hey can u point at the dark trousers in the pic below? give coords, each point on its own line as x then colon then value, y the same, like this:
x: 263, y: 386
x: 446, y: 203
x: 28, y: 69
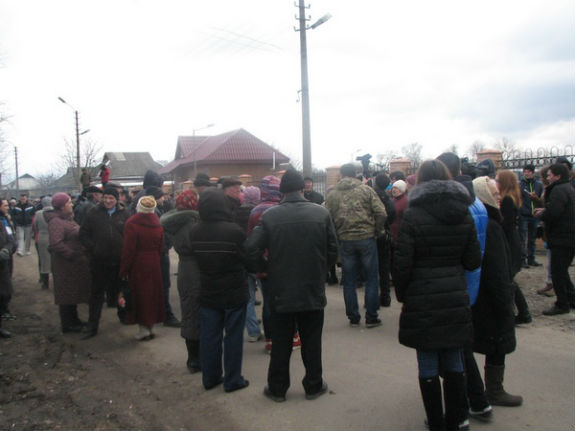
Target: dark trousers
x: 105, y: 280
x: 384, y: 258
x: 561, y: 258
x: 69, y: 316
x: 474, y: 384
x: 213, y: 323
x: 310, y: 326
x: 527, y: 234
x: 266, y: 312
x: 165, y: 267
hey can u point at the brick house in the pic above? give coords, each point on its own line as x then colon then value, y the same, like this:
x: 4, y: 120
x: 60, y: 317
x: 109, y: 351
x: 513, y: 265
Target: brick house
x: 235, y: 153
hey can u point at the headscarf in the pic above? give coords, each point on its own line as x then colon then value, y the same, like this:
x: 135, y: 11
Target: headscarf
x: 252, y: 195
x: 146, y: 204
x: 187, y: 200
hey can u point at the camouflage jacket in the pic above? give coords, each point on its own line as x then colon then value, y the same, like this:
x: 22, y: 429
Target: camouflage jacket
x: 356, y: 210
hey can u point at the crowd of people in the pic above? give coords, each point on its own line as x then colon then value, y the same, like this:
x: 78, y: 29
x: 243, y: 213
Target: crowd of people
x: 450, y: 242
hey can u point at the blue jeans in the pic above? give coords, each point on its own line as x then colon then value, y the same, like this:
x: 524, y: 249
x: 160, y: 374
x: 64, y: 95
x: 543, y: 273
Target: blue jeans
x: 430, y: 362
x: 527, y: 234
x: 357, y: 256
x: 252, y: 324
x: 213, y: 323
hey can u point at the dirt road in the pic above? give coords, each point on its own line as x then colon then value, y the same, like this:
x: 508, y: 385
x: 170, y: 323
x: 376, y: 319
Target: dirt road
x: 50, y: 381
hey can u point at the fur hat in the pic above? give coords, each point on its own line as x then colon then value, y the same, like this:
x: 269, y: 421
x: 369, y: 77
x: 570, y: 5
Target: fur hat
x: 400, y: 185
x: 146, y: 204
x: 187, y: 200
x: 112, y: 191
x: 292, y: 181
x: 483, y: 192
x: 60, y: 199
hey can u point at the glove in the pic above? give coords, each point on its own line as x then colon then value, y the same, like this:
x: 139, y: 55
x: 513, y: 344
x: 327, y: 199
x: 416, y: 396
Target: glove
x: 4, y: 254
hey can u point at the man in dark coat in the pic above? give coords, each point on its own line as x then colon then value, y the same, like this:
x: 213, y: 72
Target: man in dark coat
x: 7, y: 248
x: 310, y: 194
x: 93, y: 197
x: 232, y: 189
x: 531, y: 190
x: 102, y: 234
x: 559, y: 218
x: 296, y: 234
x: 22, y: 215
x: 217, y: 245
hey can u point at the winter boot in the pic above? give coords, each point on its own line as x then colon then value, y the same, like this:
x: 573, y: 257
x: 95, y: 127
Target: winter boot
x: 193, y: 362
x: 494, y: 387
x: 144, y: 333
x: 455, y: 401
x: 523, y: 314
x: 45, y: 280
x: 431, y: 394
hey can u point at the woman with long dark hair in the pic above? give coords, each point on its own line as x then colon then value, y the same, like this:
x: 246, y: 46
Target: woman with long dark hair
x: 437, y: 242
x: 510, y: 204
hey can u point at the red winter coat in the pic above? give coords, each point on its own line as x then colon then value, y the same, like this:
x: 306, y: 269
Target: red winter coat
x: 143, y: 245
x: 105, y: 175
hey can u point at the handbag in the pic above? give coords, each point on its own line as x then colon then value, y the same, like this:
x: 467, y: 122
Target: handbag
x: 124, y: 300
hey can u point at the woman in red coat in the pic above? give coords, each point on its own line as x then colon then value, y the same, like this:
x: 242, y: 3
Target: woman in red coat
x: 143, y: 245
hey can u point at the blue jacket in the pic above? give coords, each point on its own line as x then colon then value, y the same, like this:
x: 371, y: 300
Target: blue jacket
x: 480, y: 218
x: 528, y: 186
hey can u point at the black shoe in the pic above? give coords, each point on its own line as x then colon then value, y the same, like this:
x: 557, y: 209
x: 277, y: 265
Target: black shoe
x: 5, y: 334
x: 555, y: 310
x: 332, y: 281
x: 317, y: 394
x: 217, y: 383
x: 524, y: 264
x: 385, y: 300
x: 273, y: 397
x: 72, y: 328
x: 89, y: 332
x: 172, y: 322
x: 373, y: 323
x: 354, y: 323
x: 237, y: 388
x: 193, y: 367
x: 533, y: 262
x: 523, y: 318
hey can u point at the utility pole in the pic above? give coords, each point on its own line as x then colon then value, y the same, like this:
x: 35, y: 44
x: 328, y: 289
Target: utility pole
x: 306, y: 132
x: 77, y: 150
x: 16, y: 162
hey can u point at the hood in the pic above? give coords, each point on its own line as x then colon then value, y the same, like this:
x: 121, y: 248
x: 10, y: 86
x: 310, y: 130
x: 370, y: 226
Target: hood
x: 52, y: 214
x: 152, y: 178
x: 348, y: 183
x: 174, y: 220
x: 270, y: 189
x: 214, y: 206
x: 447, y: 201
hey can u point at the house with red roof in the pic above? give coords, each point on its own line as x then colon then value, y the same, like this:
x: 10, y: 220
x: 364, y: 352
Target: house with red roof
x: 234, y: 153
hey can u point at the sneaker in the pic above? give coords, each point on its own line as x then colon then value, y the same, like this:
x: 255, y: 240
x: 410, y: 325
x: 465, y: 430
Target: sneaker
x: 296, y: 342
x: 268, y: 346
x: 255, y: 338
x: 463, y: 426
x: 482, y: 415
x: 373, y: 323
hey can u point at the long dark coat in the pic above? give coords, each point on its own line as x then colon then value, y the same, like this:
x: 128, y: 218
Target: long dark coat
x: 437, y: 243
x: 493, y: 319
x: 178, y: 224
x: 143, y: 246
x: 70, y: 266
x: 8, y: 241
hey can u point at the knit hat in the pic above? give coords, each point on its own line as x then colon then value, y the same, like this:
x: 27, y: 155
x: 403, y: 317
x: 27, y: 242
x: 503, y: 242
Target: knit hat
x: 146, y: 204
x: 400, y: 185
x: 270, y: 188
x: 252, y: 195
x: 187, y: 200
x: 292, y: 181
x: 154, y: 191
x: 411, y: 179
x: 112, y: 191
x: 202, y: 180
x: 59, y: 200
x: 483, y: 192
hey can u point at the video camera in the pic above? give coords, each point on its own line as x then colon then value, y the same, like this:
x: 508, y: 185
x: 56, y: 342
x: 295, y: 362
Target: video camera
x: 474, y: 170
x: 364, y: 163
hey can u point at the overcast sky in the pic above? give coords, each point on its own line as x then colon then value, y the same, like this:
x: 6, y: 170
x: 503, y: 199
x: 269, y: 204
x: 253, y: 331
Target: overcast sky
x: 382, y: 74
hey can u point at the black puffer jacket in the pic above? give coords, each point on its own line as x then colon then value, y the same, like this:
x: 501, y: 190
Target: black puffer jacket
x: 559, y: 214
x: 217, y: 244
x: 301, y: 243
x: 493, y: 319
x: 437, y: 242
x: 103, y: 235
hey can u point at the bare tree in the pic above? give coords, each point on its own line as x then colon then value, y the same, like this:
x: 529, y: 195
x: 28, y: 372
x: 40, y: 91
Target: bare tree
x: 508, y: 148
x: 89, y: 154
x: 47, y: 181
x: 382, y: 160
x: 413, y: 153
x: 452, y: 149
x: 474, y: 148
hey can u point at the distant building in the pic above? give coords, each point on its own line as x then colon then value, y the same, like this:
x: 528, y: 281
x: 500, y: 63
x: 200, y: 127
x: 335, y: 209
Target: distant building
x: 235, y: 153
x: 26, y: 184
x: 127, y: 169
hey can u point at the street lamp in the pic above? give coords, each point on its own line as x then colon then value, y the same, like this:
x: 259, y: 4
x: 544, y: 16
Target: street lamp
x: 77, y: 138
x: 306, y: 134
x: 207, y: 126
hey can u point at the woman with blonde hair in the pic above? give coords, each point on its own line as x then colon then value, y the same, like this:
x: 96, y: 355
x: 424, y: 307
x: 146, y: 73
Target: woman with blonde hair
x: 510, y: 195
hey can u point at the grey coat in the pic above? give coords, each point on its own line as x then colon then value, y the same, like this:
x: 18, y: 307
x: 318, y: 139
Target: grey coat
x: 40, y: 226
x: 70, y: 266
x: 177, y: 224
